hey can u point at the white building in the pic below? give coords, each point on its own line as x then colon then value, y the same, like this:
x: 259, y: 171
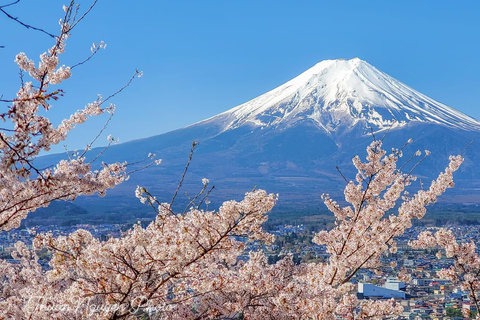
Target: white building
x: 421, y: 282
x: 395, y: 284
x: 392, y: 289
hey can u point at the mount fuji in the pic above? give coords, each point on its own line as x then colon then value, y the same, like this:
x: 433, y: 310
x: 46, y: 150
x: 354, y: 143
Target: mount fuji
x: 336, y: 95
x: 291, y: 139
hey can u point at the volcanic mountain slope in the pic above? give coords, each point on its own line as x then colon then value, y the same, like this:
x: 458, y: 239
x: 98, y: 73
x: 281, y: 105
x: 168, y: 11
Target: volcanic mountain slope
x: 290, y: 140
x: 336, y: 95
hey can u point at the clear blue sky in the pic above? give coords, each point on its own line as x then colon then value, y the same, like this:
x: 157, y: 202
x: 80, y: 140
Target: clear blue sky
x: 200, y: 58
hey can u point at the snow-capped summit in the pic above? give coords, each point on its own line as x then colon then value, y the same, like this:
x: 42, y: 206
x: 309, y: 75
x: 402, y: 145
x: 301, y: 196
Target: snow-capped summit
x: 340, y: 93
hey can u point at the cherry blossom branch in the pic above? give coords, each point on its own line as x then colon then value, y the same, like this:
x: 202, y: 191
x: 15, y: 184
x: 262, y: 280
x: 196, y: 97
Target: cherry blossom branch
x: 21, y: 158
x: 473, y: 294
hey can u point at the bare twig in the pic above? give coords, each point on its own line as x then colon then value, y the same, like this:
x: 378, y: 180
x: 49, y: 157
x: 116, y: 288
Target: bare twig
x: 9, y: 130
x: 406, y: 144
x: 418, y: 163
x: 142, y: 168
x: 468, y: 145
x: 388, y: 130
x: 22, y: 23
x: 406, y: 162
x: 192, y: 201
x: 89, y: 146
x: 20, y: 73
x: 100, y: 153
x: 135, y: 74
x: 75, y: 21
x: 206, y: 196
x: 338, y: 169
x: 373, y: 134
x: 95, y: 50
x: 10, y: 4
x: 194, y: 144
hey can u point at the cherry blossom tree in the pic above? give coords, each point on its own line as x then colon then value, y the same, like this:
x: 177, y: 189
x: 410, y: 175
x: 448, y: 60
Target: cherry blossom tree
x: 187, y: 266
x: 192, y: 264
x: 27, y: 132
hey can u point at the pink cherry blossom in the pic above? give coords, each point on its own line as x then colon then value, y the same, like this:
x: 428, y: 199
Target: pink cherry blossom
x: 194, y: 265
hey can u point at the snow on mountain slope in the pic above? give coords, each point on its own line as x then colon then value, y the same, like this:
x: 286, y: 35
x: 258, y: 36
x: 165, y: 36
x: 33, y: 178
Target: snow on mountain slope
x: 340, y: 93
